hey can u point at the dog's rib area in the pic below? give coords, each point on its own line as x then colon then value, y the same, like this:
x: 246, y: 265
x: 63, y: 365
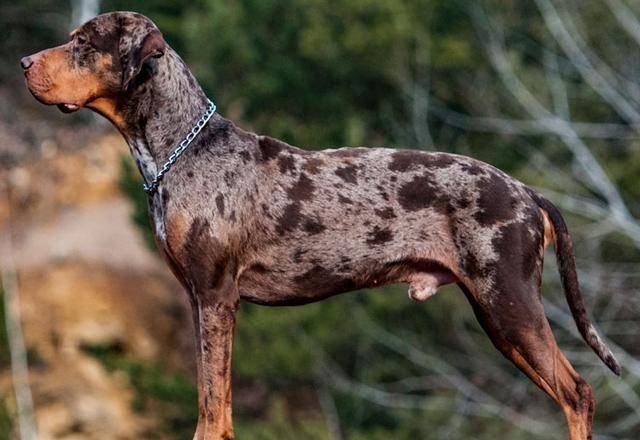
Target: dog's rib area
x: 259, y: 284
x: 338, y: 220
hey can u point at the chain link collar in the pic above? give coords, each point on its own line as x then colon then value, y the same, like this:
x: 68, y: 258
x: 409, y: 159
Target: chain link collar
x: 153, y: 186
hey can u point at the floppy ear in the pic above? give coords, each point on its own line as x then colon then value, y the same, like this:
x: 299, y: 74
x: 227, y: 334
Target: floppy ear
x: 135, y: 56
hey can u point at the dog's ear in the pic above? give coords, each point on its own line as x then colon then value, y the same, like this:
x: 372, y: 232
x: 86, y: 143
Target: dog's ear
x: 136, y: 52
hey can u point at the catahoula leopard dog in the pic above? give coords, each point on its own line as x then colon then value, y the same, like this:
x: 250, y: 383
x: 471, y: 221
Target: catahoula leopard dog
x: 243, y: 216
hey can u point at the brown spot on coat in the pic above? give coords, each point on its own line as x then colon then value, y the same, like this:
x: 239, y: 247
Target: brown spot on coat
x: 471, y: 168
x: 405, y: 160
x: 472, y: 266
x: 386, y: 213
x: 286, y: 164
x: 348, y: 173
x: 257, y: 267
x: 383, y: 193
x: 298, y: 254
x: 348, y: 152
x: 313, y: 165
x: 290, y: 219
x: 517, y: 248
x: 270, y: 148
x: 220, y: 203
x: 245, y: 156
x: 302, y: 190
x: 313, y: 226
x: 379, y: 236
x: 344, y: 200
x: 202, y: 257
x: 418, y: 194
x: 166, y: 196
x: 496, y: 201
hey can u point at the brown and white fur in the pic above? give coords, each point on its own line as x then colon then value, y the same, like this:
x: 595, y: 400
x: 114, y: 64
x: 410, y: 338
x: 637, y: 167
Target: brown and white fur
x: 243, y: 216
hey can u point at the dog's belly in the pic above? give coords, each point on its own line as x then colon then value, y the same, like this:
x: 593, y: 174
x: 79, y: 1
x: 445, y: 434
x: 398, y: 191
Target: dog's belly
x: 300, y: 275
x: 267, y: 287
x: 272, y: 289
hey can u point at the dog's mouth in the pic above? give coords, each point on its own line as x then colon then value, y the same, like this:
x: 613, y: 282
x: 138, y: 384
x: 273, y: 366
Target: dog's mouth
x: 68, y: 108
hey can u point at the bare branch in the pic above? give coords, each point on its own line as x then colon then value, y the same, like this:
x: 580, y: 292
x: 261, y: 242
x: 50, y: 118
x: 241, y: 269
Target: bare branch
x: 473, y: 405
x: 528, y: 127
x: 601, y: 80
x: 589, y: 166
x: 631, y: 364
x: 626, y: 18
x: 330, y: 412
x: 437, y: 364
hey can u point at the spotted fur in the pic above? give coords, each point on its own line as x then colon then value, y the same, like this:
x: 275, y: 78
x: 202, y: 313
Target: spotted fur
x: 243, y: 216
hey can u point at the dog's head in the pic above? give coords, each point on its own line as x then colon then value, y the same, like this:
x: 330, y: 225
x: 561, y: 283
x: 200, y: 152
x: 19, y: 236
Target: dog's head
x: 105, y: 59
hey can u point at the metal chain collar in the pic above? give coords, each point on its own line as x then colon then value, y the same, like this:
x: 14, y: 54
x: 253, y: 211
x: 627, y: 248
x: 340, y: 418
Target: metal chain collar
x: 153, y: 186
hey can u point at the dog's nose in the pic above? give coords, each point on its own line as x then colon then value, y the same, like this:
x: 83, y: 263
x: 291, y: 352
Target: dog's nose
x: 26, y: 62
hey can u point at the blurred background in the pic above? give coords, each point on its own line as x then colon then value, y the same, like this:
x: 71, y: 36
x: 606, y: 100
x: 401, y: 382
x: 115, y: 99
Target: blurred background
x: 95, y: 334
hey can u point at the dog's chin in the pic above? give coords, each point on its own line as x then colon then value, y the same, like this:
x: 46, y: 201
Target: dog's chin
x: 68, y: 108
x: 63, y: 107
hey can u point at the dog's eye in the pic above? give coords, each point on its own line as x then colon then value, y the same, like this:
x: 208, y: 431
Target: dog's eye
x: 81, y: 39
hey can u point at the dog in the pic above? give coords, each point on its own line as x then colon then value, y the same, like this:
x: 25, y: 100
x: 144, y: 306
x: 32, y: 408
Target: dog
x: 242, y: 216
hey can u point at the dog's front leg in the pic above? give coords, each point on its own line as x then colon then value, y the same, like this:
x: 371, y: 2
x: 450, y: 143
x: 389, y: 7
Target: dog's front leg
x: 216, y: 321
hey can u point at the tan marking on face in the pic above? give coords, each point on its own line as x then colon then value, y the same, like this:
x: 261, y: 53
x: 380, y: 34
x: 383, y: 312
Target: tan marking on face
x: 55, y: 80
x: 107, y: 108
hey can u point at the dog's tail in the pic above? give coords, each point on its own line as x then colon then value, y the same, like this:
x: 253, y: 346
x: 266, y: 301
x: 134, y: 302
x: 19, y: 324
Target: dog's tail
x: 567, y: 267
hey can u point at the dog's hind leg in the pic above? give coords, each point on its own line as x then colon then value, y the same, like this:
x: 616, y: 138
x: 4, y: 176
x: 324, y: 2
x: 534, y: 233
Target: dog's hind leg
x: 515, y: 321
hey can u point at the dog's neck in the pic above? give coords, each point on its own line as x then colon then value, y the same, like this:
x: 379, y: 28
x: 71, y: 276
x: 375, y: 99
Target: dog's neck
x: 161, y: 111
